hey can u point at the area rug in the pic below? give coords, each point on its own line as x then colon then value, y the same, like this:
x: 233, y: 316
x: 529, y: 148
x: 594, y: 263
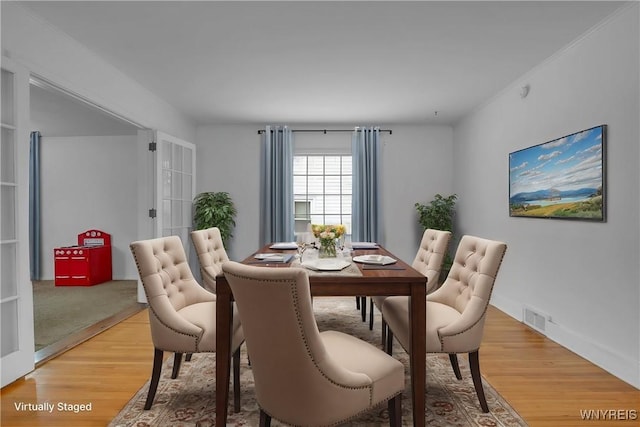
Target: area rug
x: 189, y: 400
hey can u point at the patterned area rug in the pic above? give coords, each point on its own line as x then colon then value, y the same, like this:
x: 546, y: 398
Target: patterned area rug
x: 189, y: 400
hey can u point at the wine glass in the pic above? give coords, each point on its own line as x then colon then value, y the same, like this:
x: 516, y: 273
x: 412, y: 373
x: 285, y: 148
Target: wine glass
x: 301, y: 241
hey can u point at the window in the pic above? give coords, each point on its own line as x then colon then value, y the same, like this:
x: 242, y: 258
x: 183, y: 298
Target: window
x: 322, y: 190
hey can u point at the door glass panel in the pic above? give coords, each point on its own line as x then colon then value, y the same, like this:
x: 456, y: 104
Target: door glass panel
x: 7, y: 98
x: 8, y: 228
x: 166, y: 183
x: 166, y: 155
x: 186, y: 187
x: 7, y: 156
x: 176, y: 213
x: 187, y: 160
x: 9, y: 314
x: 8, y: 277
x: 176, y: 185
x: 176, y: 160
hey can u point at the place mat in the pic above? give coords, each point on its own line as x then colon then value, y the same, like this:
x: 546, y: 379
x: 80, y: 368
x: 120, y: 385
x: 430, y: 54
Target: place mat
x: 351, y: 270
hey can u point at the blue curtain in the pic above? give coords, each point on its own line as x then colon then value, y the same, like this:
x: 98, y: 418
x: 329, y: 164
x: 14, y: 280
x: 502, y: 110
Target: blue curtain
x: 366, y: 212
x: 276, y: 185
x: 34, y: 206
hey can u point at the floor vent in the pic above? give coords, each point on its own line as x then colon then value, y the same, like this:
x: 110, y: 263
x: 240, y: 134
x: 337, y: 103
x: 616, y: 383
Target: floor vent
x: 535, y: 319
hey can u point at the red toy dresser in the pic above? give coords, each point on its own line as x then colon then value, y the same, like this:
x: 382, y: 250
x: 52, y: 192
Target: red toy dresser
x: 86, y: 264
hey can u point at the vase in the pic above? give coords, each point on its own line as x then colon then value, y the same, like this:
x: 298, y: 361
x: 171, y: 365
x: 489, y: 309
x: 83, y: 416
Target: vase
x: 327, y: 249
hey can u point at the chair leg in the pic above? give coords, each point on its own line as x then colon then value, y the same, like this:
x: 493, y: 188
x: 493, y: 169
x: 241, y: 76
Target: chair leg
x: 454, y: 364
x: 177, y: 360
x: 371, y: 314
x: 395, y: 411
x: 385, y: 327
x: 265, y: 420
x: 474, y: 365
x: 357, y: 303
x: 363, y: 308
x: 155, y: 378
x: 236, y: 381
x: 188, y: 357
x: 389, y: 345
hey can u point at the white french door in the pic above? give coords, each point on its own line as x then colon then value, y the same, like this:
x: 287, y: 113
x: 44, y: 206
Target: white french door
x: 16, y: 300
x: 175, y: 186
x: 170, y: 181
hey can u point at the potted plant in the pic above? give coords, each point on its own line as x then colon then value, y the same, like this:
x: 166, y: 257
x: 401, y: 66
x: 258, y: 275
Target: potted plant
x: 215, y: 210
x: 438, y: 215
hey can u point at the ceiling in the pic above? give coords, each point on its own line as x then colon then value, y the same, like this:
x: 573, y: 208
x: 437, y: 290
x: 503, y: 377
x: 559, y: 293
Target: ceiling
x: 350, y: 62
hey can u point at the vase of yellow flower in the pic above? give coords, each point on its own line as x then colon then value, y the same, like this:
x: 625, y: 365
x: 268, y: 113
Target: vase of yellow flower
x: 328, y: 236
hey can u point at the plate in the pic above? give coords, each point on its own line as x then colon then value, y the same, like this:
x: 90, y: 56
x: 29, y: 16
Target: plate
x: 326, y: 264
x: 284, y: 245
x: 374, y: 259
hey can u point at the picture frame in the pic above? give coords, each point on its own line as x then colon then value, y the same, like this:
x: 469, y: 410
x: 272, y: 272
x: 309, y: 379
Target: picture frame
x: 561, y: 179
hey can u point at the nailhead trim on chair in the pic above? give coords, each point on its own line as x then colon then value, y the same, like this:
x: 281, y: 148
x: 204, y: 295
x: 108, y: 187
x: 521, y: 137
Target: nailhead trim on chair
x: 294, y: 294
x: 195, y: 337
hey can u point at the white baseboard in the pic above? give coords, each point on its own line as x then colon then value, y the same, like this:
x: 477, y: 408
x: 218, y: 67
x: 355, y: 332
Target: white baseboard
x: 624, y: 368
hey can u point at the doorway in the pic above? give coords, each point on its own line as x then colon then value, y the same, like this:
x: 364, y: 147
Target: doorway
x: 88, y: 174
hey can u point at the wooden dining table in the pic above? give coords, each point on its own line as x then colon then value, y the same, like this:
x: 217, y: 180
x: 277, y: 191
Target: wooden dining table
x: 399, y: 279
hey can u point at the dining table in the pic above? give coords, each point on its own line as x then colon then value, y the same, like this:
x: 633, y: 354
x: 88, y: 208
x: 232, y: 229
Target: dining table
x: 398, y: 278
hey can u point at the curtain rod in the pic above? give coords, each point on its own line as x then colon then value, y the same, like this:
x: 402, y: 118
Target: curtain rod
x: 325, y: 131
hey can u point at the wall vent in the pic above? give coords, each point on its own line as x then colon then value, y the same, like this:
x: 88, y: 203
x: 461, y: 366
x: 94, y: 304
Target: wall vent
x: 535, y: 319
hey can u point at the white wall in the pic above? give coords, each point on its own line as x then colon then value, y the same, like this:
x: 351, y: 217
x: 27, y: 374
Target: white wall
x: 417, y: 164
x: 89, y: 189
x: 583, y: 275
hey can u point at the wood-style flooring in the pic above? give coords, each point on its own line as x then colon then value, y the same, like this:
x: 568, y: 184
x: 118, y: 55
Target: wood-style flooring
x: 547, y: 384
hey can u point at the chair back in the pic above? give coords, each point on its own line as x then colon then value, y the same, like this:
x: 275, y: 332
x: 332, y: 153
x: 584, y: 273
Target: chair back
x: 211, y: 255
x: 469, y: 284
x: 295, y: 378
x: 431, y: 254
x: 169, y: 286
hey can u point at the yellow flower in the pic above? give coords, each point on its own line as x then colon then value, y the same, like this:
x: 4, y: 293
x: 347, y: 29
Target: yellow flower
x: 328, y: 231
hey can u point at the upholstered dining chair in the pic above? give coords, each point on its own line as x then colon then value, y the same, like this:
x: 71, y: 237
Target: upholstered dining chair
x: 456, y: 311
x: 211, y: 255
x: 428, y: 261
x: 182, y: 314
x: 304, y: 377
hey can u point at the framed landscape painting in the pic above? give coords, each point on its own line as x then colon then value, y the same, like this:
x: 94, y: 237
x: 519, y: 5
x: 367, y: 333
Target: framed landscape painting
x: 563, y: 178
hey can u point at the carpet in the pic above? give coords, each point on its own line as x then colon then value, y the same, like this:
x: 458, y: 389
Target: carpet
x: 60, y: 311
x: 189, y: 400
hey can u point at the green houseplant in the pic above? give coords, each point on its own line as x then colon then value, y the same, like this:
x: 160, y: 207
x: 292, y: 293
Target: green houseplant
x: 438, y: 214
x: 215, y: 210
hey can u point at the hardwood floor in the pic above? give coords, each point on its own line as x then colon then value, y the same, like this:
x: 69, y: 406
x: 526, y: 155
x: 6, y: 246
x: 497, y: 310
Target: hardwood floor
x: 547, y: 384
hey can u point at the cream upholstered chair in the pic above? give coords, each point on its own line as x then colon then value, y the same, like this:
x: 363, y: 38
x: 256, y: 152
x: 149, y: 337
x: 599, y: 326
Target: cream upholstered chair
x: 211, y: 255
x: 456, y: 311
x: 304, y: 377
x: 182, y: 314
x: 428, y: 261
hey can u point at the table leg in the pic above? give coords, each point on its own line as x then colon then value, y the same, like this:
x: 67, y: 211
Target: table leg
x: 417, y: 313
x: 224, y: 315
